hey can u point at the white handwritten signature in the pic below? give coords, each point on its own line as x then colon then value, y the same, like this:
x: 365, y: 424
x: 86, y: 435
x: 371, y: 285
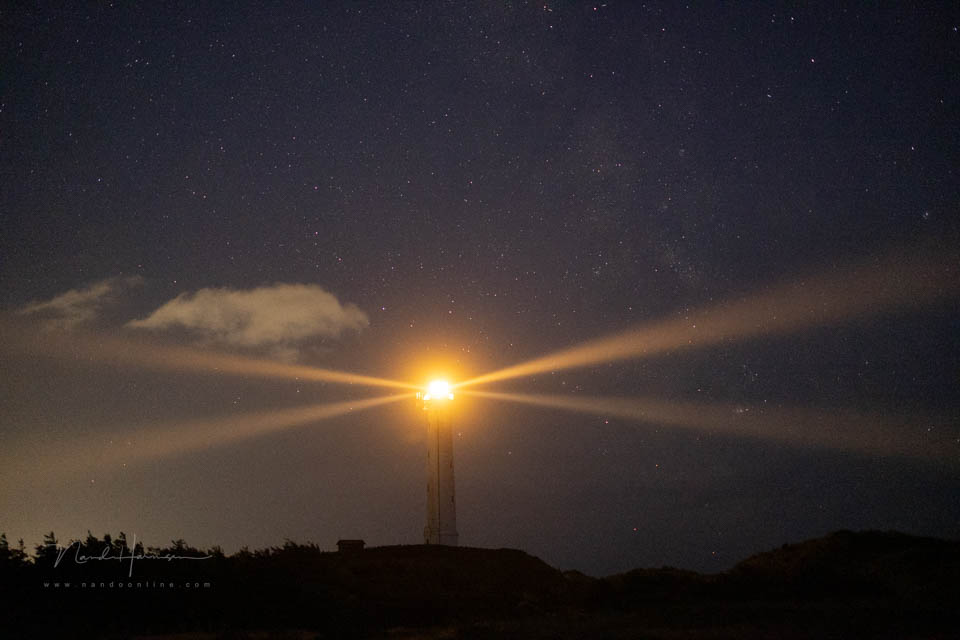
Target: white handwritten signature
x: 107, y: 554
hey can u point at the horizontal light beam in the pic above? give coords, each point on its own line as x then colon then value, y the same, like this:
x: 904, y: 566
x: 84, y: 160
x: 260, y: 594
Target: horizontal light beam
x: 910, y: 436
x: 119, y: 352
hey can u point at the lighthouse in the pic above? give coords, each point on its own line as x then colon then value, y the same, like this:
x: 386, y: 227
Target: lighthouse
x: 441, y: 527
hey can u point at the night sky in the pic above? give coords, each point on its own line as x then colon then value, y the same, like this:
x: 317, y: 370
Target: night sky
x: 403, y: 189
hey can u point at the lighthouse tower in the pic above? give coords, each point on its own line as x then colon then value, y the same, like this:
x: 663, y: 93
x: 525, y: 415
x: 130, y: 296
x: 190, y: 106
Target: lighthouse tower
x: 441, y: 525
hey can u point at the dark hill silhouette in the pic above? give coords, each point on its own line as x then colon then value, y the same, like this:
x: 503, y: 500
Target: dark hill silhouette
x: 868, y: 584
x: 921, y: 571
x: 436, y: 582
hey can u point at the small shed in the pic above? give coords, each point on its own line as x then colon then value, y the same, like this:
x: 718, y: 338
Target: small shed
x: 350, y: 546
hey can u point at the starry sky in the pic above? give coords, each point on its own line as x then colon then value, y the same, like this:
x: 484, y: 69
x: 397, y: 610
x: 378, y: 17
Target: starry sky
x: 399, y: 189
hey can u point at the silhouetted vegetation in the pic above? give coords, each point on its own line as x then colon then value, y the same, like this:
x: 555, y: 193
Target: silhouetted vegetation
x: 847, y: 584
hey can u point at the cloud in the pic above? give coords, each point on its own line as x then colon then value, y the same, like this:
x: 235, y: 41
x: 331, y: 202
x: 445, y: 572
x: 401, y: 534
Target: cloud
x: 277, y: 318
x: 79, y: 306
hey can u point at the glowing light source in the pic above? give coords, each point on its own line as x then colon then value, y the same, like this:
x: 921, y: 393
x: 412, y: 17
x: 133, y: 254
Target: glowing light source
x: 437, y: 390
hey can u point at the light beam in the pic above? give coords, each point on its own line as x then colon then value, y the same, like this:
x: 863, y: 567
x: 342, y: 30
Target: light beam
x: 920, y: 437
x: 119, y: 352
x: 114, y: 449
x: 898, y: 282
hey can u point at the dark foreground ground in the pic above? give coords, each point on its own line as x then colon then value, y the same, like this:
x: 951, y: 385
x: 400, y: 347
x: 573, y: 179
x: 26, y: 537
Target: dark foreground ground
x: 846, y: 585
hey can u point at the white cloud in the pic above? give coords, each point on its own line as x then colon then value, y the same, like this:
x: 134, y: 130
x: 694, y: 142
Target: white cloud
x: 79, y: 306
x: 276, y: 317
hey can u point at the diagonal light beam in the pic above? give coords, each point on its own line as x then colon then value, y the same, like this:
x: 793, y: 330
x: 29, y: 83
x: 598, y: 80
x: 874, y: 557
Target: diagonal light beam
x: 911, y: 436
x: 867, y: 289
x: 113, y: 450
x: 207, y: 434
